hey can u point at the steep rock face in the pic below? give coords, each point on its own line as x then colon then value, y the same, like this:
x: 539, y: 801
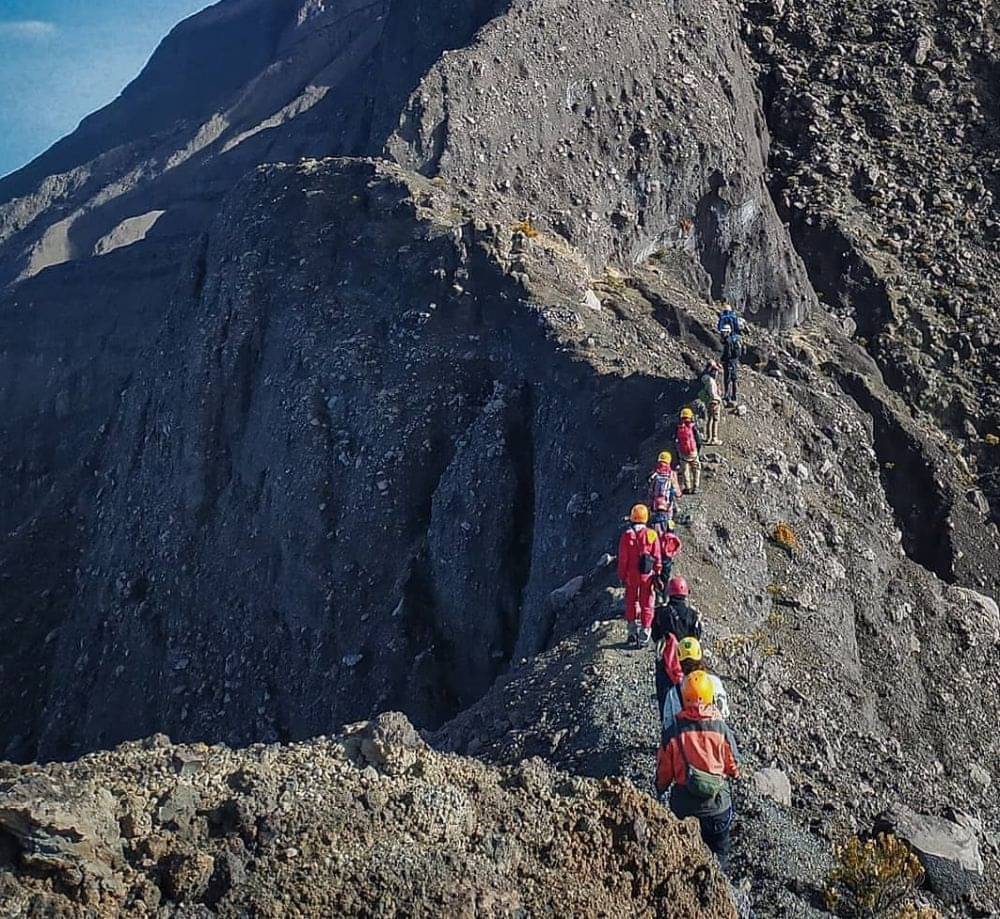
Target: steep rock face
x: 638, y: 131
x: 105, y: 224
x: 345, y: 459
x: 885, y: 166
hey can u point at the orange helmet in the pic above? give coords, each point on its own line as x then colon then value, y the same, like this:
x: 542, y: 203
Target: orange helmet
x: 640, y: 514
x: 697, y: 689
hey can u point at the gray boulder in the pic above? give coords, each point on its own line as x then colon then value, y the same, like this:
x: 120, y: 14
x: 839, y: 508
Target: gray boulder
x: 773, y: 784
x: 948, y: 852
x: 64, y: 828
x: 391, y: 744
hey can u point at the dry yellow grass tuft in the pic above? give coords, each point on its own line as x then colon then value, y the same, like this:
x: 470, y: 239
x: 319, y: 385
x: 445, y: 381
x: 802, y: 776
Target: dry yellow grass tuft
x: 785, y: 537
x: 874, y: 879
x: 526, y: 228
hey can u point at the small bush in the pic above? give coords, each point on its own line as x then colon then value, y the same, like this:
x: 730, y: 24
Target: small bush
x: 526, y: 228
x: 912, y: 911
x: 785, y: 537
x: 874, y: 879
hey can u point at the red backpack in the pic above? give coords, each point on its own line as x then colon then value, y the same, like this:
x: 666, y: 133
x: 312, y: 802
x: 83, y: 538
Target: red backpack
x: 686, y: 439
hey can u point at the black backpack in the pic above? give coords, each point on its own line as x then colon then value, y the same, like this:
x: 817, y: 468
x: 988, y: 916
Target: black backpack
x: 680, y: 619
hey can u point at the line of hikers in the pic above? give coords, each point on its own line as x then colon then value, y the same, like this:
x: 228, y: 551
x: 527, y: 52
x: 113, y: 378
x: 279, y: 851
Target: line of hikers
x: 697, y: 753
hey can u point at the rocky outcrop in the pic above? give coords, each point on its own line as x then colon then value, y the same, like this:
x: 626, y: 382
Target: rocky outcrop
x: 948, y: 852
x: 368, y: 821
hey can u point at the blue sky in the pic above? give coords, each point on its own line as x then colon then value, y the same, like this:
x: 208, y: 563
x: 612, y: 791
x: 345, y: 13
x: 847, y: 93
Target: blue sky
x: 62, y: 59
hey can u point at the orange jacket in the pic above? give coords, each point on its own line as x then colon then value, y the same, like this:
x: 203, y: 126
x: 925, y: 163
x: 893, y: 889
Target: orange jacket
x: 708, y: 745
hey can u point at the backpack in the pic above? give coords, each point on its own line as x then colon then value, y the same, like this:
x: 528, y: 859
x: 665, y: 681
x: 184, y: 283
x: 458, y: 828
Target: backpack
x: 647, y: 561
x: 661, y: 486
x: 708, y: 393
x: 686, y: 439
x: 729, y: 317
x: 683, y: 621
x: 698, y: 782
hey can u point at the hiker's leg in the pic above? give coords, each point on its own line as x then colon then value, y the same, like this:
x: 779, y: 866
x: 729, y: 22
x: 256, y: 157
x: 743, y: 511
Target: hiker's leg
x: 715, y: 834
x: 646, y: 604
x: 696, y: 466
x: 631, y: 602
x: 713, y: 422
x: 663, y: 685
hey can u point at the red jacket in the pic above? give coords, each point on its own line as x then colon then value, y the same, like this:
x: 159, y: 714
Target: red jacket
x: 638, y: 540
x: 708, y: 745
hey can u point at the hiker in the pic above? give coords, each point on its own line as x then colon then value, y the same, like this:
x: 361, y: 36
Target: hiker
x: 696, y: 756
x: 639, y: 564
x: 732, y: 350
x: 711, y: 396
x: 688, y: 444
x: 663, y: 482
x: 667, y: 670
x: 691, y: 658
x: 728, y: 317
x: 677, y: 616
x: 673, y: 621
x: 670, y: 546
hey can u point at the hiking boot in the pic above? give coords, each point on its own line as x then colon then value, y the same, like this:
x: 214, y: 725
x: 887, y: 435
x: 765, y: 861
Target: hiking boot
x: 631, y: 628
x: 642, y: 638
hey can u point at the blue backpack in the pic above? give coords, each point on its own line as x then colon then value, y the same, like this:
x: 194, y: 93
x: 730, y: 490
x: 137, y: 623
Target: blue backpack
x: 729, y: 318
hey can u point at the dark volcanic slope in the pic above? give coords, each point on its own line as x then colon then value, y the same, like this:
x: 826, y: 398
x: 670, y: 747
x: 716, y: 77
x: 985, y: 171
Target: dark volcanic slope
x: 885, y: 118
x: 166, y: 506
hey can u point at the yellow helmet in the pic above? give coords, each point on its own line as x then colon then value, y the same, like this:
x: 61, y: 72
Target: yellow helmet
x: 665, y: 457
x: 697, y: 689
x: 687, y: 414
x: 640, y: 514
x: 689, y: 649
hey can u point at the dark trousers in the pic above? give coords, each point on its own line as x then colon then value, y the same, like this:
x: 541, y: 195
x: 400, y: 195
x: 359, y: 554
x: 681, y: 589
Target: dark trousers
x: 715, y: 834
x: 663, y: 686
x: 730, y: 372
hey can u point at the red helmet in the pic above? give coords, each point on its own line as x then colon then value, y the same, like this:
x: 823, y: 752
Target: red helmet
x: 677, y: 587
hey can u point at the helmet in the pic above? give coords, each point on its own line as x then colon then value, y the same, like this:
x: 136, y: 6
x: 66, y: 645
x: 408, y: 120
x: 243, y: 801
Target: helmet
x: 687, y: 414
x: 640, y: 514
x: 671, y: 544
x: 689, y: 649
x: 697, y: 688
x: 660, y: 503
x: 677, y: 587
x: 665, y: 457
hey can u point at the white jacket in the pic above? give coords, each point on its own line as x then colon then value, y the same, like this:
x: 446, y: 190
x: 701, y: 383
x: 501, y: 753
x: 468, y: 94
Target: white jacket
x: 672, y: 704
